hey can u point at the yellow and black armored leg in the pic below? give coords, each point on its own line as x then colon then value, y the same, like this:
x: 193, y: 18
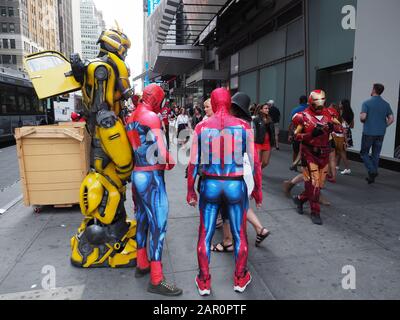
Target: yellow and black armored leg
x: 105, y: 238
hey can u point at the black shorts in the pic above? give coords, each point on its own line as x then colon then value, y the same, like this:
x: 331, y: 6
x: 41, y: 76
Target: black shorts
x: 332, y: 145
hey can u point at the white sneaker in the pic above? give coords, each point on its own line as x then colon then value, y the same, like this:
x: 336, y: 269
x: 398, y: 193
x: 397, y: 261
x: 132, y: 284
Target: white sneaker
x: 346, y: 172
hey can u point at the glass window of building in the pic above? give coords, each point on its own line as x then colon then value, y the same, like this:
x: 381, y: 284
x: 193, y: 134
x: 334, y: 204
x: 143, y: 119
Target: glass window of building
x: 5, y: 43
x: 12, y: 43
x: 8, y: 99
x: 6, y: 59
x: 21, y: 103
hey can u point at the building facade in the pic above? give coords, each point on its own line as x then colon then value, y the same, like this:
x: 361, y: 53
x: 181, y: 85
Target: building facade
x: 65, y: 26
x: 282, y: 49
x: 92, y: 24
x: 11, y: 28
x: 76, y: 26
x: 29, y: 26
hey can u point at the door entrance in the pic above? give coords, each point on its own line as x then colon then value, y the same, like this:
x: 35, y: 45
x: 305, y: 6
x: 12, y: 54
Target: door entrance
x: 336, y: 82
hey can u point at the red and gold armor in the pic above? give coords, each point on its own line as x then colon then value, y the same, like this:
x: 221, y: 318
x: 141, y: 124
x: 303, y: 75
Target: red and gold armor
x: 313, y: 129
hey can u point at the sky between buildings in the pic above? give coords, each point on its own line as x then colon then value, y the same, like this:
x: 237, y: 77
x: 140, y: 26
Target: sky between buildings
x: 129, y: 15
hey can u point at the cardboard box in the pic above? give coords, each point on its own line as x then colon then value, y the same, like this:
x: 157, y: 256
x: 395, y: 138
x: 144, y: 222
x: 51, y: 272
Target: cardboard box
x: 53, y: 162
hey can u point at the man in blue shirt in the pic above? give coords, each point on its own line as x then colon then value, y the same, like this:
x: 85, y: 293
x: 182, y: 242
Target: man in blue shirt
x: 300, y: 108
x: 289, y: 185
x: 376, y: 115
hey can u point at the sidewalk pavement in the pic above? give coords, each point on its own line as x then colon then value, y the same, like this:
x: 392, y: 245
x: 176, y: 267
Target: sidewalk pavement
x: 298, y: 261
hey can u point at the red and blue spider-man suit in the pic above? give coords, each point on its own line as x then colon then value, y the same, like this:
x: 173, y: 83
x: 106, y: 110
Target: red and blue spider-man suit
x: 313, y: 128
x: 148, y: 185
x: 219, y: 145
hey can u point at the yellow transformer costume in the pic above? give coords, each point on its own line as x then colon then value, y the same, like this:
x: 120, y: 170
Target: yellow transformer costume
x: 105, y: 238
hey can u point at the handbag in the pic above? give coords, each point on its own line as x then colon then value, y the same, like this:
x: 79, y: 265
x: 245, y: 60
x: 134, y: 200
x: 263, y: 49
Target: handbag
x: 271, y: 132
x: 350, y: 142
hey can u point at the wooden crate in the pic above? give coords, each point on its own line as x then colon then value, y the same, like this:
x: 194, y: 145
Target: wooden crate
x: 53, y: 162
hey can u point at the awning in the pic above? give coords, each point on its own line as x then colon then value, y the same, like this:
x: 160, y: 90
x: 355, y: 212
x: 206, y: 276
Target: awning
x: 183, y: 91
x: 206, y: 74
x: 187, y: 21
x: 152, y: 75
x: 177, y: 60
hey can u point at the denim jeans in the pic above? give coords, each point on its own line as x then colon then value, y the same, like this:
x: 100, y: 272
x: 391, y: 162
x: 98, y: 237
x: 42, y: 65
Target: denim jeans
x: 371, y: 162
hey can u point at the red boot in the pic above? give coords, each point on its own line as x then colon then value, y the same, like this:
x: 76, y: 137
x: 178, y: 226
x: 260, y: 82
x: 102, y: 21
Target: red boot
x: 143, y: 264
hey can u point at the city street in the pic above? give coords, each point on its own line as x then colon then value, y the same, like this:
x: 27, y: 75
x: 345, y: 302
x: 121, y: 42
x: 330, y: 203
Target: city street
x: 298, y: 261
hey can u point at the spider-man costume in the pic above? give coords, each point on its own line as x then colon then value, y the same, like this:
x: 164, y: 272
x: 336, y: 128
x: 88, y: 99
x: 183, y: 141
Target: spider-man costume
x: 219, y: 145
x: 313, y: 129
x: 148, y: 185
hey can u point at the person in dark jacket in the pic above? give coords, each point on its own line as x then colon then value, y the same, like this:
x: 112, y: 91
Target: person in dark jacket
x: 197, y: 117
x: 264, y: 131
x: 275, y: 115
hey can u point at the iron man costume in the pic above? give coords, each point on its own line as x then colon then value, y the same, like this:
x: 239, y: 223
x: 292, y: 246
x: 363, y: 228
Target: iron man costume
x: 313, y: 129
x: 215, y: 144
x: 148, y: 187
x: 105, y: 238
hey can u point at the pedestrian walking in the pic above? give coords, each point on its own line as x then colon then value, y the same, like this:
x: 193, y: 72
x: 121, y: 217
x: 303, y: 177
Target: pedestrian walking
x: 197, y: 117
x: 296, y: 144
x: 165, y: 115
x: 276, y: 119
x: 346, y: 117
x: 377, y: 116
x: 182, y: 124
x: 264, y: 134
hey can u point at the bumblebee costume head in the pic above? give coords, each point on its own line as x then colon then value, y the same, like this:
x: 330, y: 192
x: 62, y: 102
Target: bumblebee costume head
x: 114, y: 41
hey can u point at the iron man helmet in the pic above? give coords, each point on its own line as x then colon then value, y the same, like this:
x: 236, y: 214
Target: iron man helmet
x: 317, y: 99
x: 116, y: 42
